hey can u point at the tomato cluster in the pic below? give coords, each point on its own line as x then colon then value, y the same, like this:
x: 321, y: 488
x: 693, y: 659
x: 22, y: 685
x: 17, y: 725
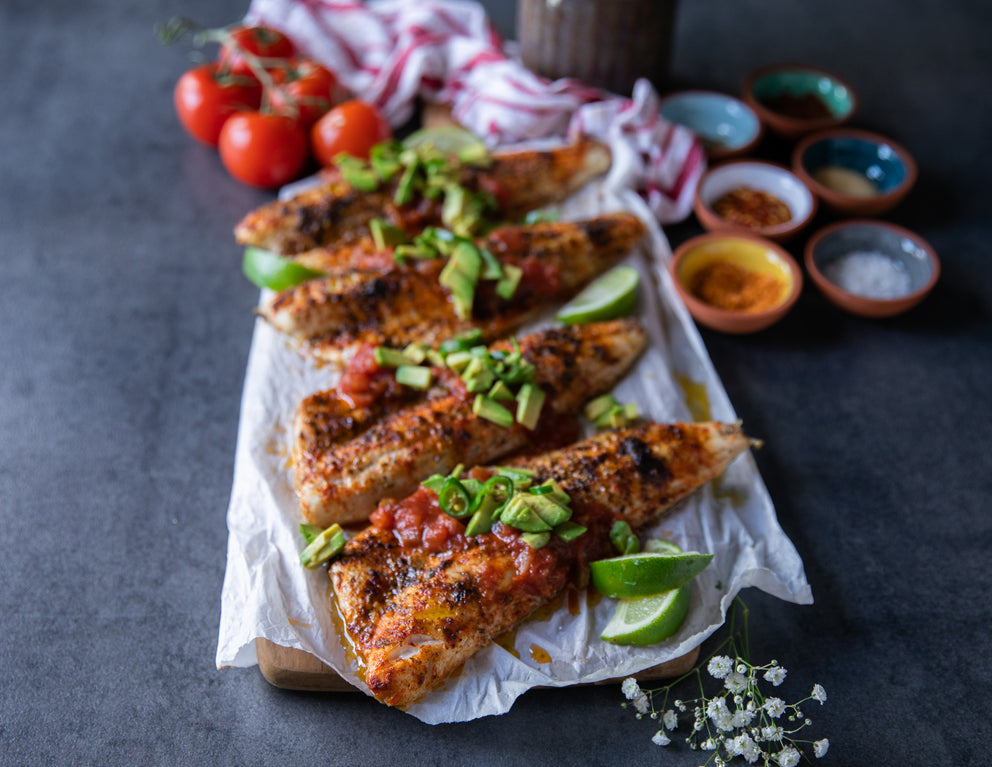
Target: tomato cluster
x: 268, y: 110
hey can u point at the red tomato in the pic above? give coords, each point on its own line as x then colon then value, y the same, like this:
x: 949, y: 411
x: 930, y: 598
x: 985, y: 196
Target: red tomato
x: 353, y: 127
x: 205, y: 99
x: 263, y: 42
x: 262, y: 149
x: 304, y: 89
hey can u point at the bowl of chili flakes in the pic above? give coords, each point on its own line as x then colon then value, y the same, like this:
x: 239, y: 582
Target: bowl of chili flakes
x: 754, y: 197
x: 735, y: 282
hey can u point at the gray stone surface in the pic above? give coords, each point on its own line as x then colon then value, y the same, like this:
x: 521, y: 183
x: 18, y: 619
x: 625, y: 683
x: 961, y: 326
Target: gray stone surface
x: 124, y: 330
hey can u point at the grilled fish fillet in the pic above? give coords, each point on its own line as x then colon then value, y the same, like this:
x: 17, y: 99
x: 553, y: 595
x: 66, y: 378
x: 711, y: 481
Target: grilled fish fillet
x: 337, y: 213
x: 337, y: 313
x: 345, y: 461
x: 418, y: 598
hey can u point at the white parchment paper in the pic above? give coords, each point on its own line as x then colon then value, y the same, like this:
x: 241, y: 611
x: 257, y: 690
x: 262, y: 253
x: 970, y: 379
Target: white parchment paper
x: 267, y: 593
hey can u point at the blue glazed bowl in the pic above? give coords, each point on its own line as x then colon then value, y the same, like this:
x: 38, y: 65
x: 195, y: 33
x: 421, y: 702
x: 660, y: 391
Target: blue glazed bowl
x: 727, y: 126
x: 796, y: 99
x: 855, y: 172
x: 910, y: 267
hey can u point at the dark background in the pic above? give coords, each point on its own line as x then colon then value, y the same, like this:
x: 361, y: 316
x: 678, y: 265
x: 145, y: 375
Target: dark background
x: 124, y: 331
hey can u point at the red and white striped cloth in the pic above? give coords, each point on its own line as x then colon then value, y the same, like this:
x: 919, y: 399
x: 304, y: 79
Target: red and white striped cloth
x: 391, y: 52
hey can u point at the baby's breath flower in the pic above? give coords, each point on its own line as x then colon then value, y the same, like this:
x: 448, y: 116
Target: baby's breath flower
x: 661, y: 739
x: 774, y: 707
x: 742, y: 718
x: 741, y: 668
x: 680, y: 705
x: 670, y: 720
x: 772, y: 733
x: 720, y: 666
x: 708, y: 745
x: 819, y: 694
x: 820, y: 748
x: 630, y: 688
x: 787, y: 757
x: 641, y: 704
x: 775, y: 675
x: 735, y: 682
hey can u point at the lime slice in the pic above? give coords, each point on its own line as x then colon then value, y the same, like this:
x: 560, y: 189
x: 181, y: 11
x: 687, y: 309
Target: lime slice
x: 447, y: 139
x: 648, y: 620
x: 608, y: 297
x: 646, y: 573
x: 270, y: 270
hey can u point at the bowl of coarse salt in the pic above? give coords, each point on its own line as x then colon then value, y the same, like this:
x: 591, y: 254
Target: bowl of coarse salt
x: 871, y: 268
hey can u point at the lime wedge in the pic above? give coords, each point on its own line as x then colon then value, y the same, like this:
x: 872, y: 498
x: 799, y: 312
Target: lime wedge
x: 648, y: 620
x: 447, y: 139
x: 270, y: 270
x: 646, y: 573
x: 662, y: 546
x: 610, y: 296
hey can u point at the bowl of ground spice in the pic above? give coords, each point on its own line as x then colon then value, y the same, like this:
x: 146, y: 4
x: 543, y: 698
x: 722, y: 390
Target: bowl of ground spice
x: 871, y: 268
x: 735, y: 283
x: 855, y: 172
x: 754, y: 197
x: 795, y: 99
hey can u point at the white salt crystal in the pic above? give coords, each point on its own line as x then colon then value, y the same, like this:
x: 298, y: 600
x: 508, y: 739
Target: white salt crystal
x: 869, y: 274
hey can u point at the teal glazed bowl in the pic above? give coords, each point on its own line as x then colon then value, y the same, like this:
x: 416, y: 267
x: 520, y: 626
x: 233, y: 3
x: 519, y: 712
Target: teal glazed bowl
x: 726, y: 125
x: 854, y: 172
x: 793, y: 100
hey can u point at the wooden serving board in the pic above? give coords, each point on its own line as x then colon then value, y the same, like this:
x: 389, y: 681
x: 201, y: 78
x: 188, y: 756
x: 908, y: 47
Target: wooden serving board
x: 292, y: 669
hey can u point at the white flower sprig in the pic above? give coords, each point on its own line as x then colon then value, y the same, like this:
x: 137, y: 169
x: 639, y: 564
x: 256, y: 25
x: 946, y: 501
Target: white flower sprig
x: 738, y: 720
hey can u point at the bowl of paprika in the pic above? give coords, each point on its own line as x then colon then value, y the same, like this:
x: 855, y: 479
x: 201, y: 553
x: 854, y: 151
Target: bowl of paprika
x: 735, y: 283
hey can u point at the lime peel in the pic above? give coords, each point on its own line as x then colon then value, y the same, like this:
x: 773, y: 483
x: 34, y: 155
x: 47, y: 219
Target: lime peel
x: 646, y: 573
x: 648, y: 620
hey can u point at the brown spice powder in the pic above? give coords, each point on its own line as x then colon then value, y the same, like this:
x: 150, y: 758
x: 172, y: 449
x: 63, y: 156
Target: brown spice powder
x: 751, y: 208
x: 728, y: 286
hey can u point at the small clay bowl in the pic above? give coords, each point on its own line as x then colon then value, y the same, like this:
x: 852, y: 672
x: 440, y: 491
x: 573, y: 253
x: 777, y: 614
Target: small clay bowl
x: 795, y: 99
x: 726, y: 125
x: 916, y: 267
x: 748, y: 252
x: 867, y: 160
x: 760, y: 176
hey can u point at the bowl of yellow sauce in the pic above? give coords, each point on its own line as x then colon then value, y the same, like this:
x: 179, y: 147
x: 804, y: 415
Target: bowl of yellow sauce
x: 855, y: 172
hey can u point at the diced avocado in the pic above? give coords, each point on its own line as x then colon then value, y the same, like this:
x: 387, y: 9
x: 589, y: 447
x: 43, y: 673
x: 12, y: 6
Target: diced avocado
x: 551, y: 489
x: 530, y: 400
x: 435, y: 358
x: 385, y: 234
x: 414, y: 376
x: 491, y: 410
x: 491, y: 268
x: 416, y: 352
x: 506, y: 288
x: 383, y: 159
x: 323, y: 548
x: 404, y: 251
x: 501, y: 391
x: 516, y: 473
x: 434, y: 482
x: 475, y: 154
x: 552, y: 512
x: 477, y: 375
x: 630, y: 411
x: 309, y: 532
x: 536, y: 540
x: 455, y: 206
x: 357, y: 173
x: 595, y: 408
x: 458, y: 361
x: 389, y: 358
x: 518, y: 513
x: 467, y: 259
x: 569, y: 530
x: 462, y: 289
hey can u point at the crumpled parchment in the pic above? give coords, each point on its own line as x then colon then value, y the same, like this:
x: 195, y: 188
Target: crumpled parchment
x: 267, y: 593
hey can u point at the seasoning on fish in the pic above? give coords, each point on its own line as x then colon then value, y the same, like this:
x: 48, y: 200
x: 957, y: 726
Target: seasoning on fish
x: 337, y: 314
x: 338, y: 213
x: 419, y: 597
x: 347, y: 459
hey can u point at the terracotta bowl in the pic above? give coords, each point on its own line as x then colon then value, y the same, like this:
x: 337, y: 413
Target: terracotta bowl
x: 726, y: 125
x: 880, y: 171
x: 781, y: 95
x: 761, y: 176
x: 865, y: 291
x: 748, y: 252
